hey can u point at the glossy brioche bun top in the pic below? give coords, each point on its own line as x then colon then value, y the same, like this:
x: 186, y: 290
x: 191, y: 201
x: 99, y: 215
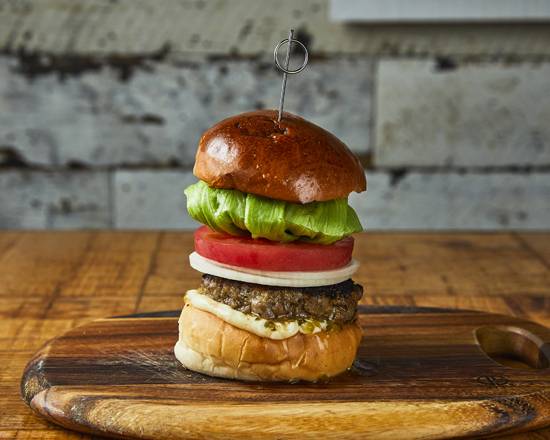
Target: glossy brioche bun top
x: 292, y: 160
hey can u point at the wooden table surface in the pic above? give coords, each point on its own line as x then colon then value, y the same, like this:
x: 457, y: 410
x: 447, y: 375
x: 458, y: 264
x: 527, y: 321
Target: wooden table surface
x: 53, y: 281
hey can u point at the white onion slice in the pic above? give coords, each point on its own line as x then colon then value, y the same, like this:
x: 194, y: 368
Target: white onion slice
x: 273, y: 278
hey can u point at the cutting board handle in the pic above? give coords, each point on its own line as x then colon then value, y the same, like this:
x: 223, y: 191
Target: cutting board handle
x: 515, y: 346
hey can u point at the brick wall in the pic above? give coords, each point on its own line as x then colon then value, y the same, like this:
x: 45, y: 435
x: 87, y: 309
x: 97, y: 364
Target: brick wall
x: 102, y: 105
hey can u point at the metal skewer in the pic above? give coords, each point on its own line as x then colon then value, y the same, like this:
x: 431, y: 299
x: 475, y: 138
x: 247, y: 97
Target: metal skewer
x: 285, y: 68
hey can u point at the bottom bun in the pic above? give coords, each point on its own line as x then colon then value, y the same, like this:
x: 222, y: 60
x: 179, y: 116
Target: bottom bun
x: 209, y: 345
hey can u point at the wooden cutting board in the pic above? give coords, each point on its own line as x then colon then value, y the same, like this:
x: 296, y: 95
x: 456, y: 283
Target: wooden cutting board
x: 420, y: 373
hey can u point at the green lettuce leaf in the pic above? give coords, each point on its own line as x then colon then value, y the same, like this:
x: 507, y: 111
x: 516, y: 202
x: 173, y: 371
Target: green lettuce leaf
x: 237, y: 213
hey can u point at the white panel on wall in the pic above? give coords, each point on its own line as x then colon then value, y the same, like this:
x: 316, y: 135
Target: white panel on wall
x: 439, y: 10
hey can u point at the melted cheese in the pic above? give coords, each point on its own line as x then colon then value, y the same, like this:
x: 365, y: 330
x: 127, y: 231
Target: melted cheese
x: 251, y: 323
x: 273, y: 278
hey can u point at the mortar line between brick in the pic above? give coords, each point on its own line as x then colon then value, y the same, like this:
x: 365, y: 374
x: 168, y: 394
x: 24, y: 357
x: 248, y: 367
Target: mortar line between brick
x: 428, y: 169
x: 374, y: 111
x: 111, y: 199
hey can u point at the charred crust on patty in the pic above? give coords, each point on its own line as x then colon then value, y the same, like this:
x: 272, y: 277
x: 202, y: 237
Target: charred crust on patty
x: 336, y: 303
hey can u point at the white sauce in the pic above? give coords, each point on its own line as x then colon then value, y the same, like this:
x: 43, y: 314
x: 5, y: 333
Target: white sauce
x: 253, y: 324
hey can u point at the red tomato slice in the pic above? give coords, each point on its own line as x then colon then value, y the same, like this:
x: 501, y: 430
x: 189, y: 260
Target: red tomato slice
x: 268, y: 255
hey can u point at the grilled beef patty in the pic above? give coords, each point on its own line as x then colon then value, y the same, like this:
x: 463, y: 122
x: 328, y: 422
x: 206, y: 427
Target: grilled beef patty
x: 336, y: 303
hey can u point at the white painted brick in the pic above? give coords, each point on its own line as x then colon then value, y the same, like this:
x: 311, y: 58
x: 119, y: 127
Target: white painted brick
x: 455, y: 201
x: 155, y: 199
x: 158, y: 115
x: 475, y: 115
x: 35, y: 199
x: 249, y: 26
x: 152, y: 200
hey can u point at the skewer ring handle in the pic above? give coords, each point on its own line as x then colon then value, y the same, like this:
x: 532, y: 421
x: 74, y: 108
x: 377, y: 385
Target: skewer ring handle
x: 290, y: 71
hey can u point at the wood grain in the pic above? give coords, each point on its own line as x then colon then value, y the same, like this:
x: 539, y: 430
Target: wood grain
x: 538, y: 244
x: 37, y: 271
x: 456, y: 264
x: 419, y: 373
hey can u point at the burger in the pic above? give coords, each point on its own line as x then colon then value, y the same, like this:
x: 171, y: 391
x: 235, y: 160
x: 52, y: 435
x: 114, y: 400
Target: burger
x: 276, y: 301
